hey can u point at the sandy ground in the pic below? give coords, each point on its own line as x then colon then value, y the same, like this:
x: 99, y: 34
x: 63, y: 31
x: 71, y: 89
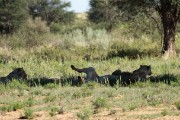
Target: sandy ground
x: 154, y: 112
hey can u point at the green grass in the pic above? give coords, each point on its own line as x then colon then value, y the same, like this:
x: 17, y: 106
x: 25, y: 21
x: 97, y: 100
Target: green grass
x: 100, y: 103
x: 178, y: 105
x: 53, y: 110
x: 51, y: 58
x: 164, y: 112
x: 28, y: 113
x: 84, y: 114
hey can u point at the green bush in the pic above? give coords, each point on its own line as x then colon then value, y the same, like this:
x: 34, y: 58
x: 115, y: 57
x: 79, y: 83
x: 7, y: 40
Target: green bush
x: 100, y: 103
x: 49, y: 98
x: 17, y: 105
x: 165, y: 112
x: 84, y: 114
x: 51, y: 86
x: 76, y: 95
x: 56, y: 28
x: 6, y: 108
x: 54, y: 110
x: 30, y: 102
x: 28, y: 113
x: 178, y: 105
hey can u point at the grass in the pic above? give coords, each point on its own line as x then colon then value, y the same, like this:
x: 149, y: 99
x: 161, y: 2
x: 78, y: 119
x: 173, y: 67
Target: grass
x: 99, y: 103
x: 84, y: 114
x: 53, y: 110
x: 28, y: 114
x: 164, y: 112
x: 178, y: 105
x: 50, y: 60
x: 132, y: 99
x: 17, y: 105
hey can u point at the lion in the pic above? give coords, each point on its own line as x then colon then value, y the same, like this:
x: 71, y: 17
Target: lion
x: 91, y: 75
x: 128, y: 78
x: 78, y: 82
x: 18, y: 74
x: 142, y: 73
x: 90, y: 72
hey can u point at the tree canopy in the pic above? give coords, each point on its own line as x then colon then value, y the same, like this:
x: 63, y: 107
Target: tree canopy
x: 13, y: 14
x: 51, y: 11
x: 168, y: 10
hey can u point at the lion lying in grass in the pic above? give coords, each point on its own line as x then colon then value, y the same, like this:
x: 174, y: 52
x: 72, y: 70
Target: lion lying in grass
x: 91, y: 75
x: 18, y: 74
x: 140, y: 74
x: 126, y: 78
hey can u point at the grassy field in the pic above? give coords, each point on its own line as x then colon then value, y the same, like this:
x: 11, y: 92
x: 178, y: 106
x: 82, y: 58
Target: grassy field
x: 49, y: 56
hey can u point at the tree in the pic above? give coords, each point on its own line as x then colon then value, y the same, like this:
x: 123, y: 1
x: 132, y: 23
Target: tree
x: 103, y: 11
x: 13, y: 14
x: 51, y: 11
x: 169, y: 12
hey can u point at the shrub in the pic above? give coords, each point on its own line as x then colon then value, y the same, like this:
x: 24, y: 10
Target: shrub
x: 6, y: 108
x: 165, y: 112
x: 37, y: 26
x: 30, y: 102
x: 56, y: 28
x: 112, y: 112
x: 100, y: 103
x: 17, y: 105
x: 28, y: 113
x: 51, y: 86
x: 178, y: 105
x: 84, y: 114
x: 49, y: 98
x: 76, y: 95
x: 88, y: 38
x: 54, y: 110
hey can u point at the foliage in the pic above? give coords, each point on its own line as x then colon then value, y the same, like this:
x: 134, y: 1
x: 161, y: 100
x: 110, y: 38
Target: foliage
x: 165, y: 112
x: 54, y: 110
x: 100, y: 103
x: 178, y: 105
x: 13, y: 14
x: 30, y: 102
x: 49, y: 98
x: 51, y: 11
x: 103, y: 12
x: 130, y: 8
x: 84, y: 114
x: 17, y: 105
x: 28, y: 113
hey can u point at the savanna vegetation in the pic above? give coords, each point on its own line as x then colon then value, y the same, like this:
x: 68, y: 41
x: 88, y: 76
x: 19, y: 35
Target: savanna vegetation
x: 44, y: 38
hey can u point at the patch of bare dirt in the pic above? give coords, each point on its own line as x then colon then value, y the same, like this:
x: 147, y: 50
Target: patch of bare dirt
x: 103, y: 115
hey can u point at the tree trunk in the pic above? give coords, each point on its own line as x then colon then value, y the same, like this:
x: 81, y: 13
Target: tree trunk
x: 169, y: 25
x: 170, y: 13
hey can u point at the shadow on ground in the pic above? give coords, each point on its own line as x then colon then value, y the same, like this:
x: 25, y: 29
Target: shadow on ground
x: 73, y: 81
x: 165, y: 78
x: 133, y: 53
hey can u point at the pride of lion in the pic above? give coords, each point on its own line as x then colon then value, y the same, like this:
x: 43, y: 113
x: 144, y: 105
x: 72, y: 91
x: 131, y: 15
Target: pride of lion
x: 124, y: 78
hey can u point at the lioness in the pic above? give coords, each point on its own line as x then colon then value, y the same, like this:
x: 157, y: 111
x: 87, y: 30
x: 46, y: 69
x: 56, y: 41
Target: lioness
x: 142, y: 73
x: 91, y: 75
x: 17, y: 73
x: 128, y: 78
x: 78, y: 82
